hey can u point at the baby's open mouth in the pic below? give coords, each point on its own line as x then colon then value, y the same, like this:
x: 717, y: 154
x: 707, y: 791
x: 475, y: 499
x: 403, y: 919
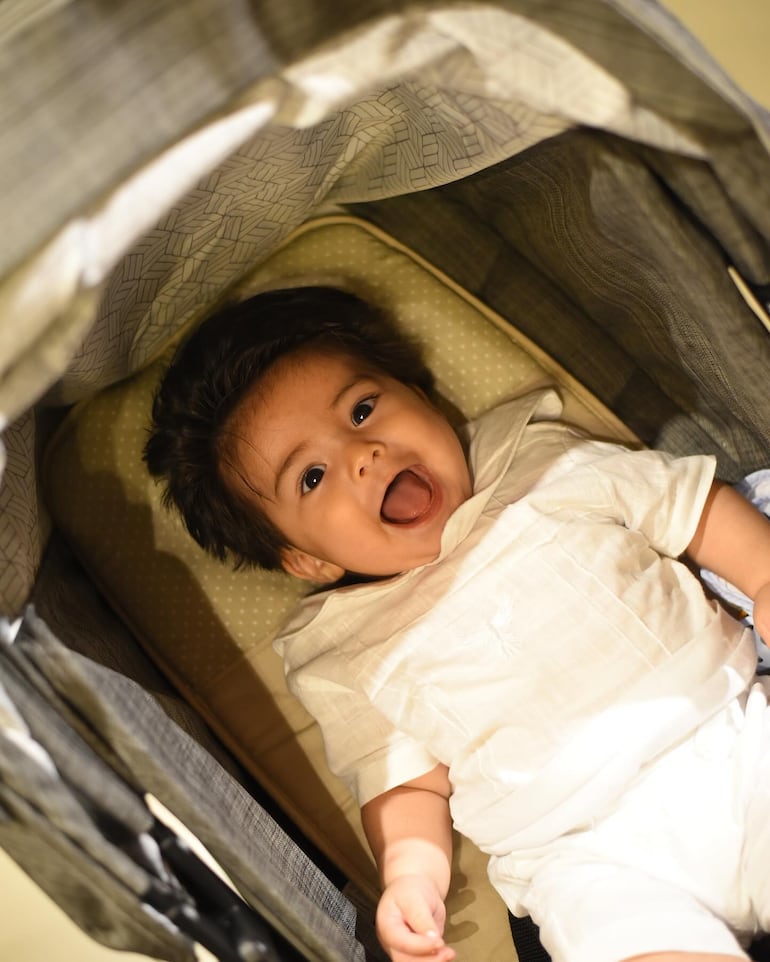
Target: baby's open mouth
x: 407, y: 498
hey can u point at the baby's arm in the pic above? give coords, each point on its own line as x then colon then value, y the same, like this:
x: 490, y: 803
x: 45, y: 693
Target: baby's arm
x: 409, y: 829
x: 733, y: 541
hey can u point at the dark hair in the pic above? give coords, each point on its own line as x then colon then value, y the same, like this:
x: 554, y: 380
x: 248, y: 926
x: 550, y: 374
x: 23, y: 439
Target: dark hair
x: 211, y: 373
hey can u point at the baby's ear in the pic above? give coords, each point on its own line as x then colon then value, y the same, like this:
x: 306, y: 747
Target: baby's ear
x: 309, y: 568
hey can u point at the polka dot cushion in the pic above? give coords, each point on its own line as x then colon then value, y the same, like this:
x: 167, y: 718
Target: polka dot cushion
x: 207, y: 626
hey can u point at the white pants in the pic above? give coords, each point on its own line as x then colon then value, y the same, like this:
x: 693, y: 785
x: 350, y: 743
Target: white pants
x: 680, y: 863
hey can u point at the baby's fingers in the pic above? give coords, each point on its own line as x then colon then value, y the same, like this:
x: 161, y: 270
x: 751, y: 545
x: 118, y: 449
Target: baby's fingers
x: 413, y: 939
x: 415, y: 945
x: 410, y: 917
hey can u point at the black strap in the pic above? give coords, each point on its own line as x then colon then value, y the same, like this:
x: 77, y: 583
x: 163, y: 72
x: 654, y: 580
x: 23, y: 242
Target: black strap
x: 526, y: 938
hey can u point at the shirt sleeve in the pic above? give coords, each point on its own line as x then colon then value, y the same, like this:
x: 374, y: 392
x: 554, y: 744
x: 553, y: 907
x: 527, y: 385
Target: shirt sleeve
x: 650, y: 491
x: 362, y: 747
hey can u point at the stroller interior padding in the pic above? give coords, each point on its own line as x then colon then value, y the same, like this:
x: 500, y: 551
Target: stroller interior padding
x: 209, y: 627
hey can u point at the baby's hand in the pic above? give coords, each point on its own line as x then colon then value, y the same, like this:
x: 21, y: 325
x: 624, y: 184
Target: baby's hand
x: 762, y: 612
x: 410, y: 920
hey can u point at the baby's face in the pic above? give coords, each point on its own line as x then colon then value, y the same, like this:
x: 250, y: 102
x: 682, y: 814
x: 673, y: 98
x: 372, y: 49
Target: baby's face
x: 359, y: 471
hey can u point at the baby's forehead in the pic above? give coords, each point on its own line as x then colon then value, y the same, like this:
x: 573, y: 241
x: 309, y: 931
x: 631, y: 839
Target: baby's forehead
x: 315, y: 363
x: 312, y: 369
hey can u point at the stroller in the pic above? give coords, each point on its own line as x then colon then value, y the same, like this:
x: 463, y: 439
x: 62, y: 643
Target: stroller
x: 574, y: 187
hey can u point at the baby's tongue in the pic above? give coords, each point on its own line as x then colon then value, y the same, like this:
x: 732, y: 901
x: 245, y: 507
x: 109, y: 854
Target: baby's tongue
x: 407, y: 497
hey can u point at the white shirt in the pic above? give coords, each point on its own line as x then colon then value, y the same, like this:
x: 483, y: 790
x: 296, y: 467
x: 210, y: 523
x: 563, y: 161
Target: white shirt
x: 553, y: 648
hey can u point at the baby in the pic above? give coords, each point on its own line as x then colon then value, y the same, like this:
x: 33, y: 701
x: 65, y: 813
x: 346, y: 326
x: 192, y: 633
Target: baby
x: 505, y: 641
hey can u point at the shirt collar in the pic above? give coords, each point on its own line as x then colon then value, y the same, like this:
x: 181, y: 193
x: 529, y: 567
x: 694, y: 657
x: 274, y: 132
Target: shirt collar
x: 493, y: 441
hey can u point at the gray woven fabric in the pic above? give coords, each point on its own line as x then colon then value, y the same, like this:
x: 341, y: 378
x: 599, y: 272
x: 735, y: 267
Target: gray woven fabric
x: 585, y: 247
x: 22, y: 530
x: 104, y: 86
x: 66, y: 821
x: 91, y: 90
x: 108, y: 911
x: 122, y: 723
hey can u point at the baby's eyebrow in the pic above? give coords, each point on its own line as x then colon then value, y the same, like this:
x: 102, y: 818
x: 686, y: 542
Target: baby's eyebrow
x: 286, y: 464
x: 345, y: 388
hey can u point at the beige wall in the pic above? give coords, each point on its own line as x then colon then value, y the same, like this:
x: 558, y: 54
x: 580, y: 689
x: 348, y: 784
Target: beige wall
x: 737, y: 32
x: 32, y: 928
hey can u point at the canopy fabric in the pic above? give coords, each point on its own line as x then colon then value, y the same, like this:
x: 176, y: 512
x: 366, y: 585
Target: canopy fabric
x: 160, y: 150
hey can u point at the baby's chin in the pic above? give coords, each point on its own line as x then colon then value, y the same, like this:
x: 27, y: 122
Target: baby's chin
x: 406, y: 565
x: 351, y: 578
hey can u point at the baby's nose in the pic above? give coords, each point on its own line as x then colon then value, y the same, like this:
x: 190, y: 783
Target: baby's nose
x: 366, y: 453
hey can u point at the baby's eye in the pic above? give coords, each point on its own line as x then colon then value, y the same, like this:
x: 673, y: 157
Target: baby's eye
x: 312, y: 478
x: 362, y: 410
